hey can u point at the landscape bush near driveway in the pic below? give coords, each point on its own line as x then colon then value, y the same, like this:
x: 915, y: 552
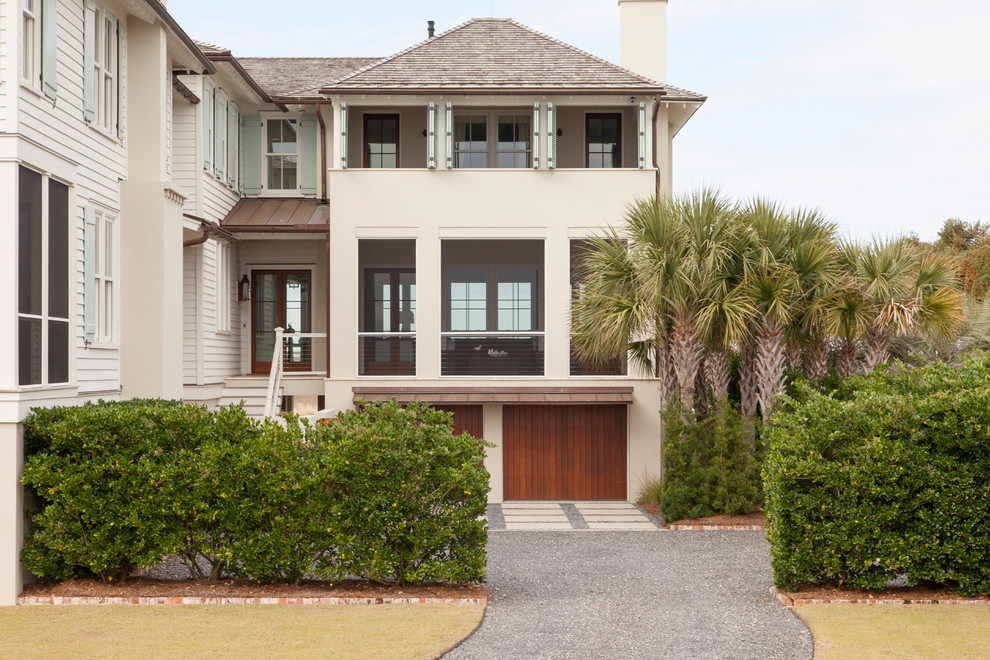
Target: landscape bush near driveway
x: 387, y: 493
x: 887, y: 476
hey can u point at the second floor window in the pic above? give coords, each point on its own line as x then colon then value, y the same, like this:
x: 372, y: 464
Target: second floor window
x: 470, y: 141
x: 511, y: 148
x: 106, y: 71
x: 281, y: 154
x: 31, y: 39
x: 381, y: 141
x: 603, y: 136
x: 514, y: 146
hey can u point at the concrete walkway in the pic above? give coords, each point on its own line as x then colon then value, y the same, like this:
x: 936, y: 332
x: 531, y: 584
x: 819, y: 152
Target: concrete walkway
x: 613, y: 594
x: 569, y: 516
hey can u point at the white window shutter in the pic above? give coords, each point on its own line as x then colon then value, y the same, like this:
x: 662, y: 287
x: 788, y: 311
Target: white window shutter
x: 343, y: 135
x: 89, y: 272
x: 641, y: 135
x: 219, y: 132
x: 431, y: 136
x: 251, y: 156
x: 308, y: 147
x: 536, y: 136
x: 551, y: 136
x: 207, y: 104
x: 232, y: 145
x: 448, y: 122
x: 89, y: 61
x: 49, y: 47
x: 120, y: 81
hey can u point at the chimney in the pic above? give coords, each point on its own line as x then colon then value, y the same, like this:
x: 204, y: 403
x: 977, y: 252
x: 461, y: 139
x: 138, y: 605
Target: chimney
x: 429, y: 29
x: 643, y: 37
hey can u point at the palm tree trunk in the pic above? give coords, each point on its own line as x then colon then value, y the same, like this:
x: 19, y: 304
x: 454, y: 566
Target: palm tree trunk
x: 701, y: 400
x: 747, y: 380
x: 794, y: 356
x: 686, y: 354
x: 816, y: 364
x: 717, y: 373
x: 876, y: 350
x: 846, y: 364
x: 769, y: 366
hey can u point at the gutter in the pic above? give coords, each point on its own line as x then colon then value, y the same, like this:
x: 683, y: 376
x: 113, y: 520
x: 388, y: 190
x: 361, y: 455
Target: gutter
x: 323, y: 152
x: 656, y: 165
x: 162, y: 13
x: 209, y: 229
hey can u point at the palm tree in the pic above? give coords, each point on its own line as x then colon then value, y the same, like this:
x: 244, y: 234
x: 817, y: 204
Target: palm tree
x: 906, y: 291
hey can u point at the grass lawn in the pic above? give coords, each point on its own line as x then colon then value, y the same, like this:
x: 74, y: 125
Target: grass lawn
x: 235, y: 631
x: 898, y: 631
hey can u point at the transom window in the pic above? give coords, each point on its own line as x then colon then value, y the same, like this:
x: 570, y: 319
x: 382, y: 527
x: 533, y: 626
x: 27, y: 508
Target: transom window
x: 603, y: 136
x: 381, y: 141
x: 511, y: 148
x: 282, y: 154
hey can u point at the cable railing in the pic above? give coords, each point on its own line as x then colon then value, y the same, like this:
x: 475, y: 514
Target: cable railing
x: 492, y: 354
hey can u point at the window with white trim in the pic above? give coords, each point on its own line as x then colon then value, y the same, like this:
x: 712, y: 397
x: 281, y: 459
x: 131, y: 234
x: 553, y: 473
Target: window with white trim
x: 106, y: 70
x: 510, y: 147
x: 223, y: 297
x: 105, y: 274
x: 281, y: 169
x: 43, y: 279
x: 30, y: 40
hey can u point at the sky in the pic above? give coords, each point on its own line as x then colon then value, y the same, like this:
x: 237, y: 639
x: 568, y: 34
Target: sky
x: 876, y: 112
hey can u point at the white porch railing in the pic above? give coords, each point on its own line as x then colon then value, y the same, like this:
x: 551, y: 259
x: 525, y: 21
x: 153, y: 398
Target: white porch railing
x: 293, y: 352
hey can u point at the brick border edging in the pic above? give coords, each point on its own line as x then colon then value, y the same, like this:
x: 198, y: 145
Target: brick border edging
x: 789, y: 601
x: 717, y: 528
x: 232, y: 600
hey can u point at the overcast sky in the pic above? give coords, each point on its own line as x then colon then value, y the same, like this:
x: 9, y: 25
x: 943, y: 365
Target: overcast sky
x: 875, y: 111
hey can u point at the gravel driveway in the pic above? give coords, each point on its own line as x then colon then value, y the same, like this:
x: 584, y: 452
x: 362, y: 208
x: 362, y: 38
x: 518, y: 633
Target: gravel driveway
x: 633, y: 595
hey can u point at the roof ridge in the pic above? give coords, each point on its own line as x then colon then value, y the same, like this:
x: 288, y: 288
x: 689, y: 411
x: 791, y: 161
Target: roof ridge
x: 400, y: 53
x: 583, y: 52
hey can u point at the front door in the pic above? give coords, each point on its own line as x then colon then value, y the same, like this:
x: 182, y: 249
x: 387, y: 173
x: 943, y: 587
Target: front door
x: 281, y: 298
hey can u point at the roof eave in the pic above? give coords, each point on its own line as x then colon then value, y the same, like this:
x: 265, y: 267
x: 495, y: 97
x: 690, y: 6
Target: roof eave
x: 501, y: 91
x: 252, y: 83
x: 177, y: 30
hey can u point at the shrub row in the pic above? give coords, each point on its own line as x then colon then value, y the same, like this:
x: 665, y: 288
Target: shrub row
x: 887, y: 476
x: 387, y: 493
x: 709, y: 466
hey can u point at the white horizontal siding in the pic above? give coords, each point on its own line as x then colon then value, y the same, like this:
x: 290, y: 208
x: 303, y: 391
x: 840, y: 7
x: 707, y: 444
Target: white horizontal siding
x: 8, y: 65
x: 221, y: 350
x: 102, y: 163
x: 185, y: 166
x: 190, y: 302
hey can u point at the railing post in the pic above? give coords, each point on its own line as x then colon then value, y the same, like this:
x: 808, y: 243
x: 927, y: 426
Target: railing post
x: 274, y: 375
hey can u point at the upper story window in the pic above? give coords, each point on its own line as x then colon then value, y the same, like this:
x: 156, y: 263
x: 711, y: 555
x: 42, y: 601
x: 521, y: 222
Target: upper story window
x: 224, y: 286
x: 603, y: 140
x: 39, y: 40
x: 42, y: 279
x: 381, y: 141
x: 511, y: 148
x: 221, y: 130
x: 101, y: 69
x: 281, y: 154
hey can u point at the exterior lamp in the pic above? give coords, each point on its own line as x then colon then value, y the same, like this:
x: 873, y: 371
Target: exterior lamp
x: 244, y: 289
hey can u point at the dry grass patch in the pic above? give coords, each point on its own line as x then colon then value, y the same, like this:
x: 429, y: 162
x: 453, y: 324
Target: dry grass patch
x: 898, y: 631
x: 235, y: 631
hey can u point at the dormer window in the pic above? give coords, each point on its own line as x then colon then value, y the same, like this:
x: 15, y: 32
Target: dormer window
x: 281, y: 155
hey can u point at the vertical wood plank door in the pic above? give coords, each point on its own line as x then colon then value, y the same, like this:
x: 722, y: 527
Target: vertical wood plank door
x: 467, y: 419
x: 573, y: 452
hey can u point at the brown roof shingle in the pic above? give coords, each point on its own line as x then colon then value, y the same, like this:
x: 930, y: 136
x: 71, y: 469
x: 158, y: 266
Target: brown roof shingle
x: 300, y: 76
x: 494, y: 54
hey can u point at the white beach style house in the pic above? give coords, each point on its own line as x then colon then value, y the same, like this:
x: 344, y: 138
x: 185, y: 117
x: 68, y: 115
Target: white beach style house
x: 304, y: 233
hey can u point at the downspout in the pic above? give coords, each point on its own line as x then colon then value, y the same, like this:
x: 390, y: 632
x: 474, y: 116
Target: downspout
x: 656, y: 165
x: 327, y: 284
x: 323, y: 153
x: 197, y: 241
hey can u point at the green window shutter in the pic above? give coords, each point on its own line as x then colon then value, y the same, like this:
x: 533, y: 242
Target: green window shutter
x: 89, y: 61
x: 219, y: 132
x: 89, y: 272
x: 49, y: 47
x: 641, y: 136
x: 448, y: 119
x: 536, y: 136
x: 120, y: 81
x: 431, y: 136
x: 207, y: 105
x: 343, y: 135
x: 551, y: 136
x: 251, y: 157
x: 232, y: 145
x: 307, y: 155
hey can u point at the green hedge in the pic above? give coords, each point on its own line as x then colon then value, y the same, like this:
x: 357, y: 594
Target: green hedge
x: 386, y: 493
x: 709, y: 466
x: 889, y: 475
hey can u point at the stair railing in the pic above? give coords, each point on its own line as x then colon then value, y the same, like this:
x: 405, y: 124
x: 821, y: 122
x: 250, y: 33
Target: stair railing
x: 274, y: 377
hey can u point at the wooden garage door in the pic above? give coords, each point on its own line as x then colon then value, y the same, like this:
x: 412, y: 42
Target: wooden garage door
x: 467, y: 419
x: 572, y: 452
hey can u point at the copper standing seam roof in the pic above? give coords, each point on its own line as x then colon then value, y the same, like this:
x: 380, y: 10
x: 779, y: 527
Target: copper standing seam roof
x: 498, y: 395
x: 259, y: 215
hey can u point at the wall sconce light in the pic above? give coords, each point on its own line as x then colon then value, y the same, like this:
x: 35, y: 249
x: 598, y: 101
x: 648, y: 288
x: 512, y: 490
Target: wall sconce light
x: 244, y: 289
x: 560, y: 132
x: 424, y: 132
x: 632, y: 99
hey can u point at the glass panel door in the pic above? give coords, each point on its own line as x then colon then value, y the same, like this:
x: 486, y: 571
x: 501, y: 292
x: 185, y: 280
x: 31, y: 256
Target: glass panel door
x: 281, y: 299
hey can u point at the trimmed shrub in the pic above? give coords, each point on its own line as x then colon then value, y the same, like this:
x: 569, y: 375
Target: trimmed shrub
x: 412, y: 495
x: 708, y: 465
x: 889, y: 475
